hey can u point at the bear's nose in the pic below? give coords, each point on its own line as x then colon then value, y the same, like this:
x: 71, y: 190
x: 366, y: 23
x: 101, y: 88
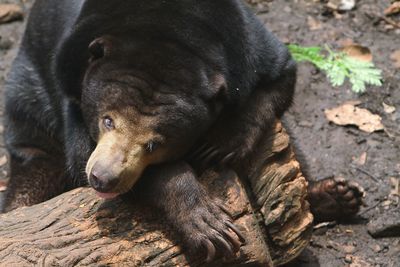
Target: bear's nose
x: 103, y: 183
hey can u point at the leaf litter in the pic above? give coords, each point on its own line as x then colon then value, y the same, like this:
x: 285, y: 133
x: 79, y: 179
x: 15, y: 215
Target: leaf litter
x: 349, y: 114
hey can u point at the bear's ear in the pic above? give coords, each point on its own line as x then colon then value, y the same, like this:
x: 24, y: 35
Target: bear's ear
x: 101, y: 47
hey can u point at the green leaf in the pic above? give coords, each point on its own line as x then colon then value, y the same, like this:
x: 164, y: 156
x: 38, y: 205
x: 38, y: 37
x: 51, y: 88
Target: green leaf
x: 338, y: 66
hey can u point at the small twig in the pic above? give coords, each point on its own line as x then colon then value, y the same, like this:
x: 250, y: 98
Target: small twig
x: 368, y: 174
x: 390, y: 21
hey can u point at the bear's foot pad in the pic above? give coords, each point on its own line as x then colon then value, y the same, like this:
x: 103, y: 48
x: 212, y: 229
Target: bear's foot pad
x: 334, y: 199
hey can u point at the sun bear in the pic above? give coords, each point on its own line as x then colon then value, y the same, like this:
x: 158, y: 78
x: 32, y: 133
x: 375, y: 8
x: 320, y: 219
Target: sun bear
x: 112, y: 92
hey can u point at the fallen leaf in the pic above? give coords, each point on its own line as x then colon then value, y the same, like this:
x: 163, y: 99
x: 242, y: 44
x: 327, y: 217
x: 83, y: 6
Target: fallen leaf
x: 313, y: 24
x: 361, y: 160
x: 395, y: 56
x: 358, y: 52
x: 341, y: 5
x: 3, y: 161
x: 348, y: 114
x: 395, y: 185
x: 347, y: 5
x: 10, y: 12
x: 388, y: 108
x: 3, y: 185
x: 387, y: 203
x: 393, y: 9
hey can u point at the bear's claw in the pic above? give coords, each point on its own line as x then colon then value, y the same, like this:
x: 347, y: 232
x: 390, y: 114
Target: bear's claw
x: 210, y: 228
x: 237, y: 232
x: 207, y: 153
x: 211, y: 251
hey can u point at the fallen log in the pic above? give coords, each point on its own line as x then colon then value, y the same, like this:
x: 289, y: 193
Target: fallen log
x: 78, y: 229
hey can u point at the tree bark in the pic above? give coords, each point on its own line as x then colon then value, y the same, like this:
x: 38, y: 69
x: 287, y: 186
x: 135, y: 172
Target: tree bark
x: 77, y: 228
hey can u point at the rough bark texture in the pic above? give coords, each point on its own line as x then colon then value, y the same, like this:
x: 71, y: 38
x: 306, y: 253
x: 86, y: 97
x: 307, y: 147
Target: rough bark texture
x: 280, y: 191
x: 77, y: 228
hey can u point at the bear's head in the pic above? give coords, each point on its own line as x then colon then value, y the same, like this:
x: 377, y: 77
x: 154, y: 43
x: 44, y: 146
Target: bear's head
x: 145, y: 103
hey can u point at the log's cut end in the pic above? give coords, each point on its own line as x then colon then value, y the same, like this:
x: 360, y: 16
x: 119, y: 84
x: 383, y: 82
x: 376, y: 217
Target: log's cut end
x: 79, y: 229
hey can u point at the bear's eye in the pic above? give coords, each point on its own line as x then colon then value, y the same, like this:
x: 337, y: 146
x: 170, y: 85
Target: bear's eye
x: 108, y: 123
x: 152, y: 146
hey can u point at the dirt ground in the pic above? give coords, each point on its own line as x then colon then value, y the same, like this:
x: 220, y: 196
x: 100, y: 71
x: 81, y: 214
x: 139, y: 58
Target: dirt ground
x: 329, y: 150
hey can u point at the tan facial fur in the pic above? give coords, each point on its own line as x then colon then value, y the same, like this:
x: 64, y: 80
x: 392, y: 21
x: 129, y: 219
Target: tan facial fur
x: 122, y: 152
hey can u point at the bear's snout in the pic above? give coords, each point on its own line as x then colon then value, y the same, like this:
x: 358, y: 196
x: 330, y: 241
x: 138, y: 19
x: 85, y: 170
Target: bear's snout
x: 102, y: 181
x: 115, y: 165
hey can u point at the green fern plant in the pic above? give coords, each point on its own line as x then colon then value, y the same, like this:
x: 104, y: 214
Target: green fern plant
x: 338, y: 66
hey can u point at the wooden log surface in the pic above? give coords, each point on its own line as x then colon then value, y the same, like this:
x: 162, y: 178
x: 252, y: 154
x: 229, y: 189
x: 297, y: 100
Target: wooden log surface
x: 280, y: 192
x: 79, y: 229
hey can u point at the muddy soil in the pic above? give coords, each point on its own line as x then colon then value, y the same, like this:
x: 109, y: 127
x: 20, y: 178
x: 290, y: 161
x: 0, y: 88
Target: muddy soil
x: 329, y: 150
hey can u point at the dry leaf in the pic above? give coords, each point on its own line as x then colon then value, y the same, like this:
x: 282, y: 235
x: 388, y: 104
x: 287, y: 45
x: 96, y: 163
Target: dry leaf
x: 393, y: 9
x: 395, y: 189
x: 3, y: 161
x: 358, y: 52
x: 348, y: 114
x: 341, y: 5
x: 388, y: 108
x: 313, y: 24
x: 361, y: 160
x: 347, y: 5
x: 395, y: 56
x: 395, y: 184
x: 10, y: 12
x: 3, y: 185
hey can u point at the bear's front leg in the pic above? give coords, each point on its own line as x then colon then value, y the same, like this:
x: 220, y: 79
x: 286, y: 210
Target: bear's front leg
x: 201, y: 223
